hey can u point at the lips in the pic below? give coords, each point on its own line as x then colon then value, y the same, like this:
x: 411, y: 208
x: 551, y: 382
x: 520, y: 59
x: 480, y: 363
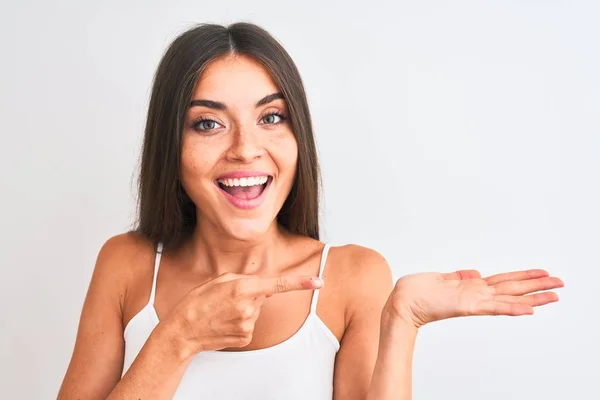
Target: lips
x: 247, y: 189
x: 244, y: 189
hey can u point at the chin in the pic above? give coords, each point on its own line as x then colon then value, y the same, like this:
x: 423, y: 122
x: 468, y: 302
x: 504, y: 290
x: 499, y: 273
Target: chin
x: 247, y: 230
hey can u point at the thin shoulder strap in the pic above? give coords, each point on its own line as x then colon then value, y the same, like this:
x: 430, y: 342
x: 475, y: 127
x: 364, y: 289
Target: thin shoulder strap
x: 315, y: 298
x: 159, y: 249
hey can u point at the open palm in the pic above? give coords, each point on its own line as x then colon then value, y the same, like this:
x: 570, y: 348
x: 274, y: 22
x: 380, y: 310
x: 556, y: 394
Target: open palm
x: 427, y: 297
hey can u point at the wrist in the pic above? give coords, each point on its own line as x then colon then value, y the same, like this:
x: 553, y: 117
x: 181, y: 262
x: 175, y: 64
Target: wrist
x: 393, y: 321
x: 392, y: 375
x: 168, y: 335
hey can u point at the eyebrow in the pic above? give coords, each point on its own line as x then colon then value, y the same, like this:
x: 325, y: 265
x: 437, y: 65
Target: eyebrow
x: 221, y: 106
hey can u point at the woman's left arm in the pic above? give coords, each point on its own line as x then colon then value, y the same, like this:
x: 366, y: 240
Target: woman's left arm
x: 375, y: 357
x: 367, y: 283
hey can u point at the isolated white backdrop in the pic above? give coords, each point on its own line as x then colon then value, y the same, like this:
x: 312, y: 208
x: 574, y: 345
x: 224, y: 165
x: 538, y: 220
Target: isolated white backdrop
x: 459, y: 134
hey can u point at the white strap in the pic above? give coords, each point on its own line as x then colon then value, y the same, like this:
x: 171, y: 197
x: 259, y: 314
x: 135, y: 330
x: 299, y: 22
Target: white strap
x: 315, y: 297
x: 159, y: 249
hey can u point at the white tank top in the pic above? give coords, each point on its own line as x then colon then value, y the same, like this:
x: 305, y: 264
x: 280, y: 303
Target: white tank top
x: 301, y: 367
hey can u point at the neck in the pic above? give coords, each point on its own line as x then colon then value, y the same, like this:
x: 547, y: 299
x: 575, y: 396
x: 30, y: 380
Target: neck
x: 219, y: 253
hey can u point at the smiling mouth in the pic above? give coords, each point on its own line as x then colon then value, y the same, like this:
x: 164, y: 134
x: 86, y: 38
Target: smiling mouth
x: 245, y: 188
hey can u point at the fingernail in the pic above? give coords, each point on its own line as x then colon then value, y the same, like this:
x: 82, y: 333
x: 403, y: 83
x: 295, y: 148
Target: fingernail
x: 318, y: 282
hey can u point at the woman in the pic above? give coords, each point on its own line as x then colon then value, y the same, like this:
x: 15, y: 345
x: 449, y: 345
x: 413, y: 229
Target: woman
x: 214, y: 296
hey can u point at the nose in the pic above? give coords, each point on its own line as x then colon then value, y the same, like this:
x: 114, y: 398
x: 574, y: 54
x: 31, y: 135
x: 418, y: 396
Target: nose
x: 245, y: 146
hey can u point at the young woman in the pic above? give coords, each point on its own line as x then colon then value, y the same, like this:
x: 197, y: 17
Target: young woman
x: 214, y: 295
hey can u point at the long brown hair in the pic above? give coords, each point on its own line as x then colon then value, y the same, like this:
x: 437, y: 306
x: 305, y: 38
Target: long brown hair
x: 165, y: 212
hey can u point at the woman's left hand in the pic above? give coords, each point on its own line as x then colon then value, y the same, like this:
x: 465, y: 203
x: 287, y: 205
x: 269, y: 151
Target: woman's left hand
x: 426, y: 297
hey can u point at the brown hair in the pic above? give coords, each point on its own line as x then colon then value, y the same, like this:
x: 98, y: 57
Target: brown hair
x: 165, y: 212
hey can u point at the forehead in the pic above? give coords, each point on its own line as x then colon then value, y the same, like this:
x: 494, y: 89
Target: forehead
x: 235, y: 79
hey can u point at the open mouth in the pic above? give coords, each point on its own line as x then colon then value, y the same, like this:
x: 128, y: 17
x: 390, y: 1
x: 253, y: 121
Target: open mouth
x: 248, y: 188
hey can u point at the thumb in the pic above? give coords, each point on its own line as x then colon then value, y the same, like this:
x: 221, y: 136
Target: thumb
x: 462, y: 275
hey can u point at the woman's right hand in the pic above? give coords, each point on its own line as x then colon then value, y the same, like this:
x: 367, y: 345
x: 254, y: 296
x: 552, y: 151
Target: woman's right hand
x: 222, y: 312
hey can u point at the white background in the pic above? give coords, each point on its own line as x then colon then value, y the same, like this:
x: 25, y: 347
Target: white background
x: 461, y: 134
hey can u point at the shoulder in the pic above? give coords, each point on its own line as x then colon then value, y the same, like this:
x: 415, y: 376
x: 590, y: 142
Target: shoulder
x: 122, y: 252
x: 125, y: 247
x: 363, y: 277
x: 354, y: 263
x: 122, y: 259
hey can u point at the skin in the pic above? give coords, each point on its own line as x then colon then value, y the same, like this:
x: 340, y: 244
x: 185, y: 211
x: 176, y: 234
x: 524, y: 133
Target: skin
x: 257, y: 277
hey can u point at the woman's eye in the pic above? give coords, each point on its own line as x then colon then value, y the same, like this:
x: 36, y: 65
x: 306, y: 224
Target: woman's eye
x: 206, y: 125
x: 272, y: 119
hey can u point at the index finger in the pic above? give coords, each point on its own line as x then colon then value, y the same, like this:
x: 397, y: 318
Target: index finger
x: 282, y: 284
x: 516, y: 276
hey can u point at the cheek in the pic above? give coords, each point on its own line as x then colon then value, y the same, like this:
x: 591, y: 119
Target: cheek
x: 293, y: 158
x: 285, y: 152
x: 195, y: 162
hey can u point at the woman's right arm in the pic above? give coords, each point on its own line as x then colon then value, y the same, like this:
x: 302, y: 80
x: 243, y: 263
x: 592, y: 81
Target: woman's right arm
x: 157, y: 370
x: 97, y: 361
x: 230, y: 302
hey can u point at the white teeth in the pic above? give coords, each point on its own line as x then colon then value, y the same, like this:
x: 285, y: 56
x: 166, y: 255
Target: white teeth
x: 248, y: 181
